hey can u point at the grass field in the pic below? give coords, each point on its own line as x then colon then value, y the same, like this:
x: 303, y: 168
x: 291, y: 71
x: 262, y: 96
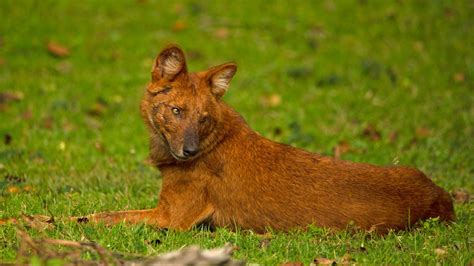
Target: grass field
x: 385, y: 82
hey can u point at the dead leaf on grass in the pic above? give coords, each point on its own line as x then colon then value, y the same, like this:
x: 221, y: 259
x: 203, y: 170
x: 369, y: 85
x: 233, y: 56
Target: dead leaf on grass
x: 29, y: 188
x: 461, y: 196
x: 222, y: 33
x: 98, y: 108
x: 422, y: 133
x: 99, y: 146
x: 14, y: 179
x: 440, y: 251
x: 10, y: 96
x: 13, y: 189
x: 48, y: 122
x: 68, y: 126
x: 393, y: 136
x: 179, y: 25
x: 27, y: 114
x: 272, y: 100
x: 371, y: 132
x: 459, y: 77
x: 323, y: 261
x: 57, y: 50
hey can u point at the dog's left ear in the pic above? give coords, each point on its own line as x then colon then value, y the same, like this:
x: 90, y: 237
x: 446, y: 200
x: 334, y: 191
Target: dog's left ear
x: 219, y: 78
x: 169, y: 63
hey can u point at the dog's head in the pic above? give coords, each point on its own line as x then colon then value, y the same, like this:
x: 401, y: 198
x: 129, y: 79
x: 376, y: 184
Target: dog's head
x: 182, y: 108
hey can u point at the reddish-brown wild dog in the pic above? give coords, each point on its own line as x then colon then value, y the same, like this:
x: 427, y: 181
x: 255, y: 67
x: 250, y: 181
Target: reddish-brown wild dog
x: 217, y: 170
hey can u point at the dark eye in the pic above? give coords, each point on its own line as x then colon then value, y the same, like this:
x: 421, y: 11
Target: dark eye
x: 203, y: 119
x: 175, y: 110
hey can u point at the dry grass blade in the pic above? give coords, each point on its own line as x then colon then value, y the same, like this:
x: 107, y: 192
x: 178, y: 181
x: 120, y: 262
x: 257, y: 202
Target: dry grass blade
x: 45, y: 250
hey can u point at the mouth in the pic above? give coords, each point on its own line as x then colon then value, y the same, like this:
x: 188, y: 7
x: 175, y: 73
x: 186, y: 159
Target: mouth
x: 179, y: 158
x: 176, y: 156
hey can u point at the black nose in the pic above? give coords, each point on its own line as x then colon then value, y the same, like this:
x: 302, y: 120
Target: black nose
x: 190, y: 151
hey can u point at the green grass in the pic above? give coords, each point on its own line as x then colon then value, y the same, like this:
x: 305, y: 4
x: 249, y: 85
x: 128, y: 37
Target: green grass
x: 405, y: 67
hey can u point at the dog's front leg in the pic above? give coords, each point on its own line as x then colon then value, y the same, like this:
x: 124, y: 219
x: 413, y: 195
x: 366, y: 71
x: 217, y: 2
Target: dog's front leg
x: 151, y: 217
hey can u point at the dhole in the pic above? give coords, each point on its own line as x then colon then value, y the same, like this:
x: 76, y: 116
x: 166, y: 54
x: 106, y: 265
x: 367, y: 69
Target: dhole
x: 217, y: 170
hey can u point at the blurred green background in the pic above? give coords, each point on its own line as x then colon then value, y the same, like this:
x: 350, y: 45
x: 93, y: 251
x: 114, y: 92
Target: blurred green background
x: 386, y: 82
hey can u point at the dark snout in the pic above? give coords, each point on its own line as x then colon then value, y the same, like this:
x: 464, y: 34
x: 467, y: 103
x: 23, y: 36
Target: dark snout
x: 191, y: 143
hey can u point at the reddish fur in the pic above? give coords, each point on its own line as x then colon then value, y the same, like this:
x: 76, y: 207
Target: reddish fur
x: 240, y: 179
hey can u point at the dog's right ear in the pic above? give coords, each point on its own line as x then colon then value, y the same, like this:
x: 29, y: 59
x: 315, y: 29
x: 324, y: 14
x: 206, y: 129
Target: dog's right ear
x: 169, y: 63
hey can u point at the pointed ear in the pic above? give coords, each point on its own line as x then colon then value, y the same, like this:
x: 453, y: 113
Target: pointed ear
x: 169, y: 63
x: 219, y: 78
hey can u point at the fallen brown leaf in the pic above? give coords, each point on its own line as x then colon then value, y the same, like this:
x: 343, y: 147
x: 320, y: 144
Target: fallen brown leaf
x: 28, y: 188
x: 422, y: 132
x: 372, y: 133
x: 393, y: 136
x: 179, y: 25
x: 57, y: 50
x: 272, y: 100
x: 14, y: 178
x: 323, y: 261
x: 222, y: 33
x: 13, y: 189
x: 440, y: 251
x: 68, y: 126
x: 97, y: 109
x: 99, y: 146
x: 459, y: 77
x: 48, y: 122
x: 461, y: 196
x: 27, y: 114
x: 10, y: 96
